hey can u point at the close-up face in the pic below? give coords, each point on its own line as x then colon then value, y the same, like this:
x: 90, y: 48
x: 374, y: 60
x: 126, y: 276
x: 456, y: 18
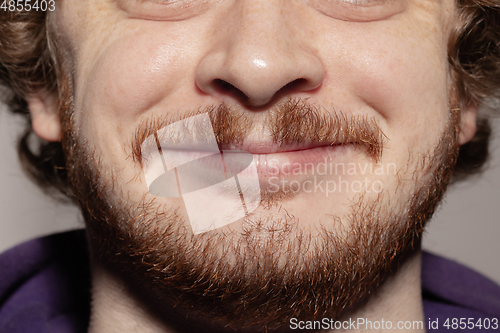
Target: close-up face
x: 348, y: 109
x: 385, y: 62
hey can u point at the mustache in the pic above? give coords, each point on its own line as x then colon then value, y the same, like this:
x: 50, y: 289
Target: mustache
x: 292, y: 122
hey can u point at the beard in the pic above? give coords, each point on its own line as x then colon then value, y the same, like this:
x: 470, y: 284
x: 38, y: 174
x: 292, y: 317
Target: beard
x: 259, y: 277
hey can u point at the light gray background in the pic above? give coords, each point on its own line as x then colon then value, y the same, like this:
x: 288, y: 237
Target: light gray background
x: 466, y: 227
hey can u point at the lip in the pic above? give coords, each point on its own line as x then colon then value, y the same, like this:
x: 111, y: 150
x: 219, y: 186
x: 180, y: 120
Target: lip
x: 270, y: 160
x: 201, y: 168
x: 295, y: 163
x: 287, y: 160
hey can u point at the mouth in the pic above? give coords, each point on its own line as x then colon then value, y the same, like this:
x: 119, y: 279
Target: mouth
x: 199, y: 159
x: 288, y: 160
x: 277, y: 149
x: 264, y: 159
x: 255, y: 167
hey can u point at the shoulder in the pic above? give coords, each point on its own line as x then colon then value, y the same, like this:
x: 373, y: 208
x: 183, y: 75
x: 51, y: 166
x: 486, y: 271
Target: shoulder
x: 451, y: 290
x: 45, y: 283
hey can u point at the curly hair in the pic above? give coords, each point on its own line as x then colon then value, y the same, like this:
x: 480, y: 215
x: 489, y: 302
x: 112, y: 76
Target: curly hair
x: 29, y: 63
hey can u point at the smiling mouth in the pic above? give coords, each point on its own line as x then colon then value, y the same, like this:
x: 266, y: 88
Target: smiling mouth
x: 270, y: 160
x: 199, y: 152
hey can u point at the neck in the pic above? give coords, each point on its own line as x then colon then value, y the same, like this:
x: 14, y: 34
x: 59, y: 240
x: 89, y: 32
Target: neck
x: 397, y: 302
x: 115, y: 308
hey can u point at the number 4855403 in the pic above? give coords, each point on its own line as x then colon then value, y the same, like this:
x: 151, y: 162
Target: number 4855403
x: 28, y: 5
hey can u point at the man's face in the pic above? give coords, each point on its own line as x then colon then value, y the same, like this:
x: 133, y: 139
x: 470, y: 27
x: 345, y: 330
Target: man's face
x: 344, y: 105
x: 384, y: 61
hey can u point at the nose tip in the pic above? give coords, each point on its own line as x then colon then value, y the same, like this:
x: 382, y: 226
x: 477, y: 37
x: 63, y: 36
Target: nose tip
x: 256, y: 80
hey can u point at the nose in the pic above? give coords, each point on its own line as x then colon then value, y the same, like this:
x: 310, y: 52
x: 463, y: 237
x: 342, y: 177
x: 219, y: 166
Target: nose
x: 259, y: 53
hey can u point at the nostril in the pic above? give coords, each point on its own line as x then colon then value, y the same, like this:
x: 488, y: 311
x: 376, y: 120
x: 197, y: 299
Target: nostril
x: 295, y: 85
x: 223, y: 86
x: 226, y: 88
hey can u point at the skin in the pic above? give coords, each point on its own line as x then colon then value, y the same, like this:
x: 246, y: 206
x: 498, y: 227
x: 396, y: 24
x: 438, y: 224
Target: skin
x: 386, y: 60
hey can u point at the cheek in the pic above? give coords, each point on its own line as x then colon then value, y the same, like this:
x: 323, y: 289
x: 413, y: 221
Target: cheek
x: 409, y: 89
x: 399, y: 73
x: 130, y: 77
